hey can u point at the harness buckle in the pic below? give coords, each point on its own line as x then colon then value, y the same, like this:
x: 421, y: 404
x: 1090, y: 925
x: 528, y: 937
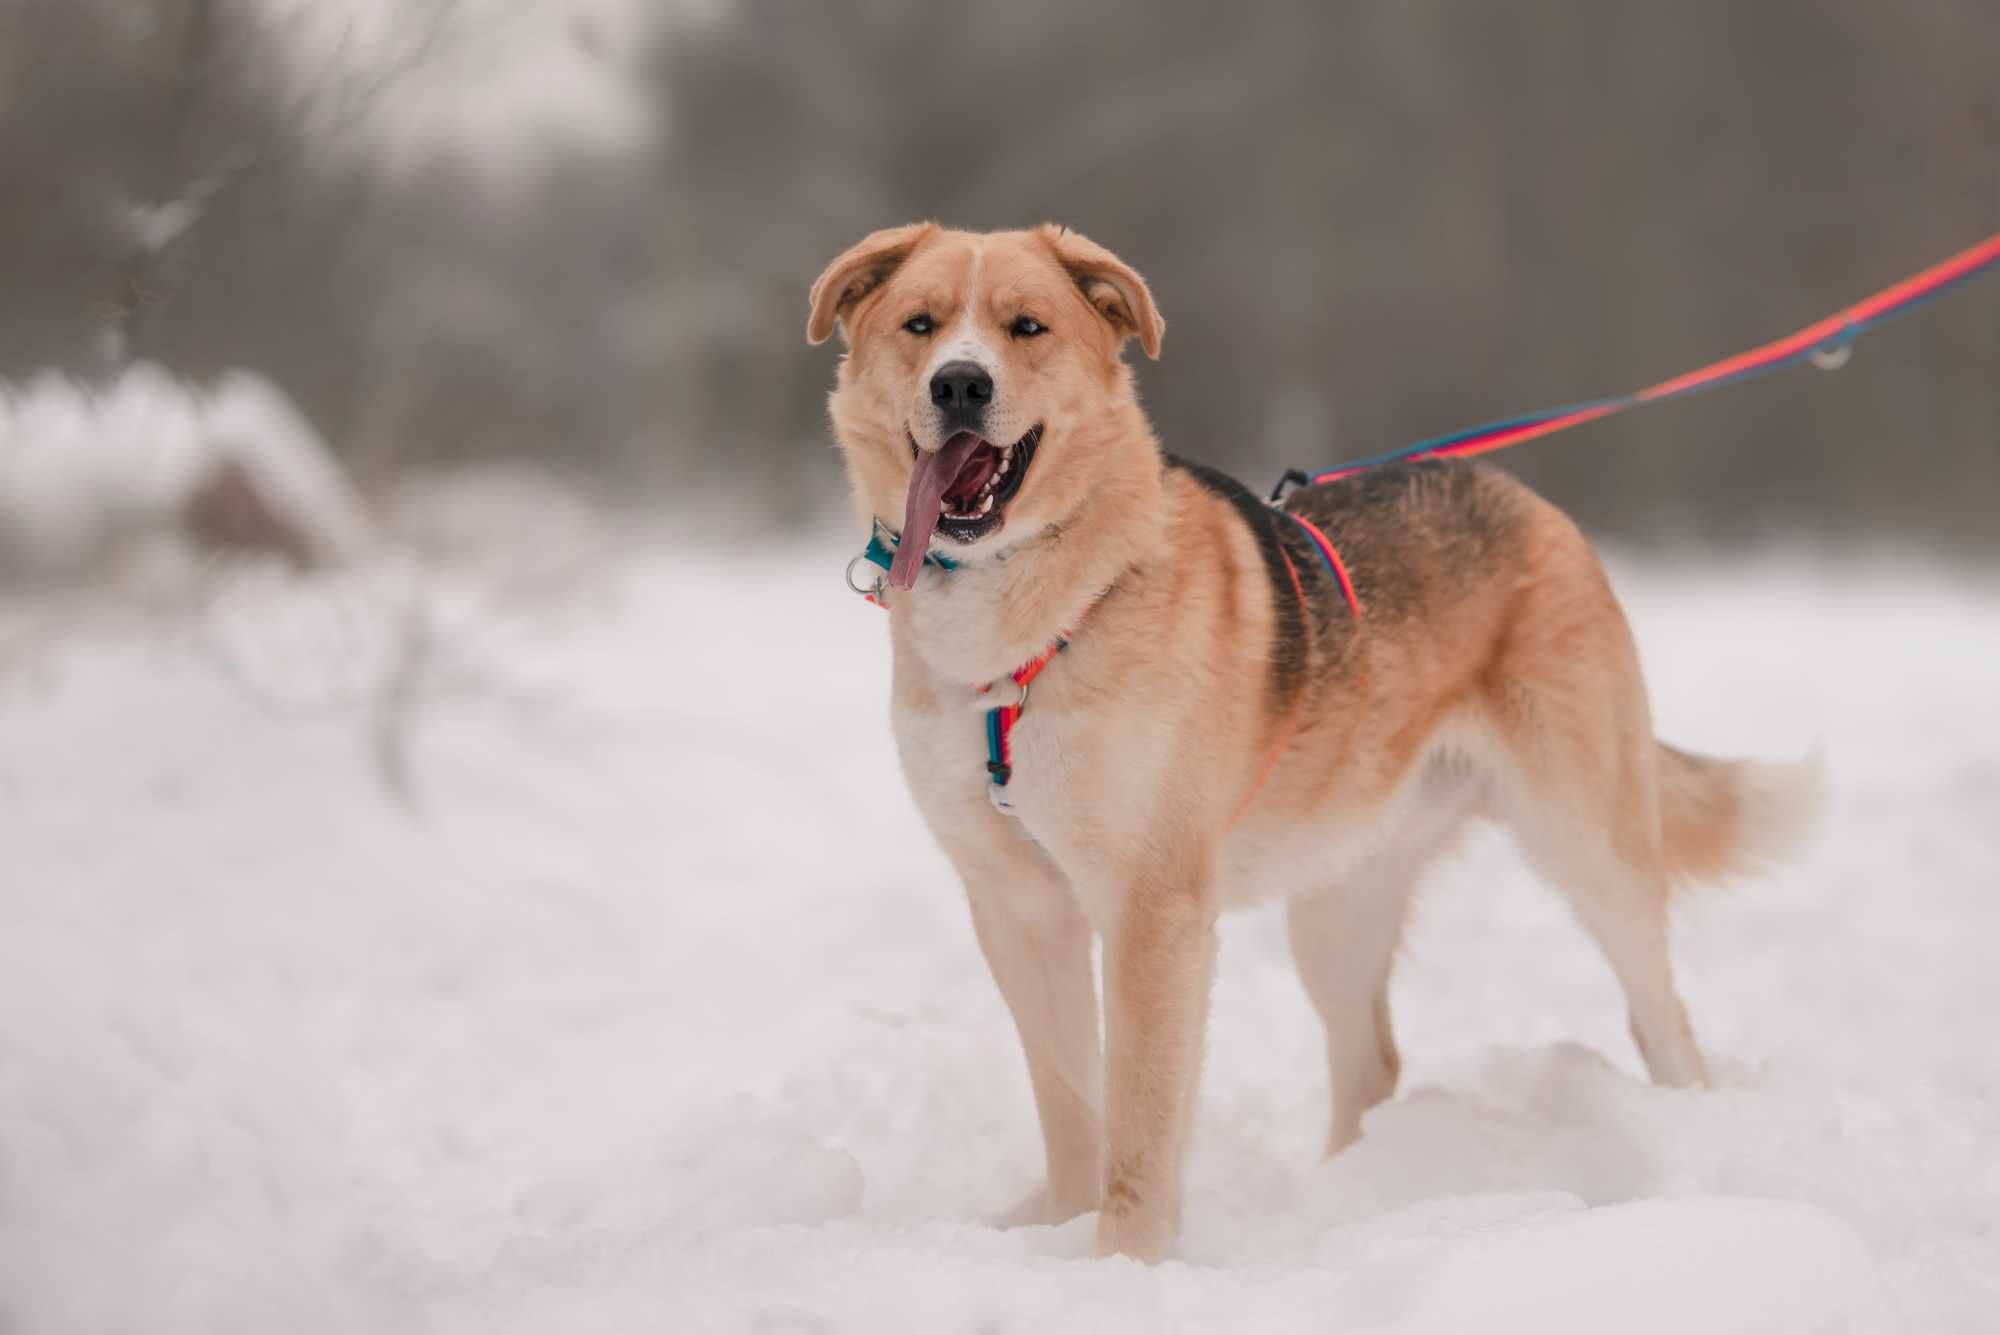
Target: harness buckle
x: 1292, y: 478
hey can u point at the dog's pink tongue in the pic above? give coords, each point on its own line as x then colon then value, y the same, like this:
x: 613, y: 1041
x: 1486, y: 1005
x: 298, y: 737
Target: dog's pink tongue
x: 928, y: 484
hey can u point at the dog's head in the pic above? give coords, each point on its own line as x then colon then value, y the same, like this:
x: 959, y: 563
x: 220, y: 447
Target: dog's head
x: 984, y: 388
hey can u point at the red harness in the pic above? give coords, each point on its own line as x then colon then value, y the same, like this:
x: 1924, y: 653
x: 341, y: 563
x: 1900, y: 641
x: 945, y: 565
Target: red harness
x: 1000, y: 719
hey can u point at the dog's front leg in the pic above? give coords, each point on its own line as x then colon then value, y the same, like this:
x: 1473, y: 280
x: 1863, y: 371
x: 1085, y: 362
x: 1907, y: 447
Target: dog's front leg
x: 1037, y: 944
x: 1159, y: 959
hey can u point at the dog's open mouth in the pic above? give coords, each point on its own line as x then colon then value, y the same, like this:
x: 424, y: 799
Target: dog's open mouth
x: 960, y: 491
x: 974, y: 500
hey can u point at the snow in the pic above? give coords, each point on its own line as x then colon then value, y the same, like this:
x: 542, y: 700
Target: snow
x: 646, y: 1004
x: 84, y: 468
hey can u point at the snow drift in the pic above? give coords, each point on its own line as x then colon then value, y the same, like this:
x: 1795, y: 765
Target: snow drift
x: 84, y: 470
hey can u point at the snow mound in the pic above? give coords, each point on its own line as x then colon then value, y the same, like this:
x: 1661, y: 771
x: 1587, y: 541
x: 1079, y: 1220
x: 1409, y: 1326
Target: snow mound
x: 1715, y: 1265
x: 83, y: 469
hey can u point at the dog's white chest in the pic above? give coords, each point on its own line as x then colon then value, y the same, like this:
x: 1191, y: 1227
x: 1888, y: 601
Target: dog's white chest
x: 942, y: 749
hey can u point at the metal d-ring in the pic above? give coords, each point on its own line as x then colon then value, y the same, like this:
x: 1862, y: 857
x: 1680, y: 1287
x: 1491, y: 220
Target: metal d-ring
x: 873, y: 590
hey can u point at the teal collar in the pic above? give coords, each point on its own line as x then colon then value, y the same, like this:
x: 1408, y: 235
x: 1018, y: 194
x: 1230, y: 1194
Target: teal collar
x: 882, y: 550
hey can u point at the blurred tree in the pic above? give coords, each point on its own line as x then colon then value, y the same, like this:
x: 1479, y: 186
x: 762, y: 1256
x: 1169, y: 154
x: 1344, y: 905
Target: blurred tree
x: 133, y: 120
x: 1366, y: 224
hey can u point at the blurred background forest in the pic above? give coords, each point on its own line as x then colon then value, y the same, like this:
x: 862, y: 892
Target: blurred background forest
x: 579, y: 235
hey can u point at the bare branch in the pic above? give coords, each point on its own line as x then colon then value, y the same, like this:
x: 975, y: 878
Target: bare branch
x: 218, y: 53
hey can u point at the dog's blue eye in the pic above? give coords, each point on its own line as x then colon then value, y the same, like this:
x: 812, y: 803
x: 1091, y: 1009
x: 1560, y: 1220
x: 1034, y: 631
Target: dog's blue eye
x: 1027, y: 326
x: 918, y: 324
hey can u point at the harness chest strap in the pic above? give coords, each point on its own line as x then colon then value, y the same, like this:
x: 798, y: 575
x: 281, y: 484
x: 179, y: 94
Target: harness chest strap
x: 1000, y: 719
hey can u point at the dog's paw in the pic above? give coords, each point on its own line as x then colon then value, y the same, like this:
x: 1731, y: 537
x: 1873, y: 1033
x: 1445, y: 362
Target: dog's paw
x: 1138, y: 1223
x: 1027, y: 1212
x: 1034, y: 1211
x: 1145, y: 1238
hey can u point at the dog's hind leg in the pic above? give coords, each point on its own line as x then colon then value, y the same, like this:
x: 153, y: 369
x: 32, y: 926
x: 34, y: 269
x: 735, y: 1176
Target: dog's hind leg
x: 1587, y: 816
x: 1344, y: 942
x: 1635, y: 941
x: 1623, y: 905
x: 1580, y: 781
x: 1602, y: 852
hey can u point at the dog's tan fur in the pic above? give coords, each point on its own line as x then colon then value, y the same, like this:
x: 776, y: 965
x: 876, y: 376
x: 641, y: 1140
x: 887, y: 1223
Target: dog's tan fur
x: 1205, y: 742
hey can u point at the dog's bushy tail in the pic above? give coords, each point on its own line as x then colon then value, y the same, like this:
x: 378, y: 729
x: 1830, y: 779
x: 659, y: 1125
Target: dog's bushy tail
x: 1726, y: 818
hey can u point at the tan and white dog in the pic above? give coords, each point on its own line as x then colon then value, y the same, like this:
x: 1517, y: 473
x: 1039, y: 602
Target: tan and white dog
x: 1224, y: 726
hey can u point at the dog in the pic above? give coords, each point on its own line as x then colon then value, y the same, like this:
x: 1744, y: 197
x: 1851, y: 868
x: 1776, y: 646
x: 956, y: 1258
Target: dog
x: 1194, y: 700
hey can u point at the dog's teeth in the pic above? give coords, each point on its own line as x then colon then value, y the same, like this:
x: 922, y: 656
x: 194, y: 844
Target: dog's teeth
x: 986, y: 502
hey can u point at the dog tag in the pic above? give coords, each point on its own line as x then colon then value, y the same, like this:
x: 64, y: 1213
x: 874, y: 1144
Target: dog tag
x: 1000, y: 802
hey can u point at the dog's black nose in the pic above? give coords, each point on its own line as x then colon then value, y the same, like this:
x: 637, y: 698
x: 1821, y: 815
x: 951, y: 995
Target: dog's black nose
x: 961, y: 387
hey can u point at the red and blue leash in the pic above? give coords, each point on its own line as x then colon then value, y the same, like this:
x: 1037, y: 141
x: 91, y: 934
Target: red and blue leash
x: 1824, y: 342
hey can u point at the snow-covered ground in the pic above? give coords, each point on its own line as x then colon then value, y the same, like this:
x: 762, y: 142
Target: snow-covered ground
x: 547, y: 944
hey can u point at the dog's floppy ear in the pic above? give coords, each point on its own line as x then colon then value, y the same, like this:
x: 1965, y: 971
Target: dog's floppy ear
x: 1110, y: 285
x: 860, y: 270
